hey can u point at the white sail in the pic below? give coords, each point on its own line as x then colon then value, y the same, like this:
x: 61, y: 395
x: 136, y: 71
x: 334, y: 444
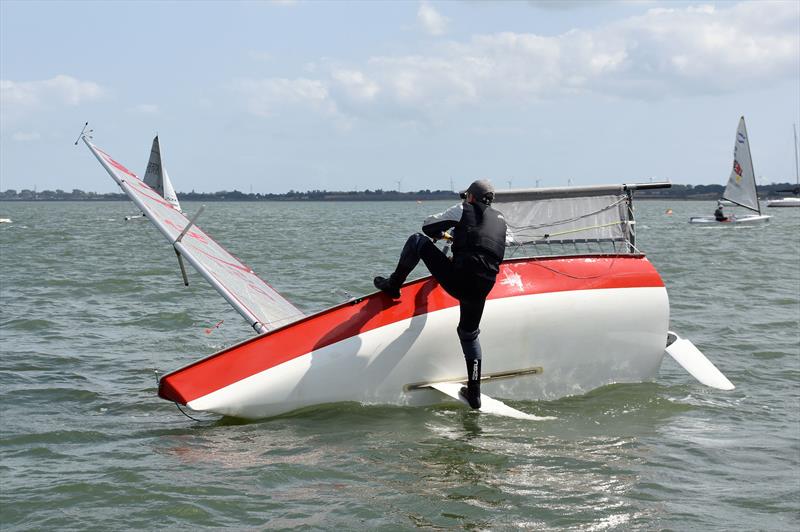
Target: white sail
x: 156, y: 177
x: 253, y: 298
x: 741, y: 188
x: 571, y: 215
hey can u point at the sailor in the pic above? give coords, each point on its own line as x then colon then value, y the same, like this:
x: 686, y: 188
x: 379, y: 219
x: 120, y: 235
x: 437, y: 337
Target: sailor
x: 479, y: 240
x: 718, y: 214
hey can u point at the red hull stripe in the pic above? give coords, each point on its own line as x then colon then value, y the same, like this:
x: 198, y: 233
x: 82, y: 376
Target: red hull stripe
x: 517, y: 277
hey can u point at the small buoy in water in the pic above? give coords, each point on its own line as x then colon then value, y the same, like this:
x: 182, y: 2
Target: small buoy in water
x: 669, y: 211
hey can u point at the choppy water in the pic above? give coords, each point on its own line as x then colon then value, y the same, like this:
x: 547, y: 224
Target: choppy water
x: 91, y: 304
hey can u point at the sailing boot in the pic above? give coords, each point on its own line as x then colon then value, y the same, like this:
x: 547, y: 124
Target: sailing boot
x: 472, y: 391
x: 388, y: 286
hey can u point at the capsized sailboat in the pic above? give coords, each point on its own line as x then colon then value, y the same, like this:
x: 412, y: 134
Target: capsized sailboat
x: 741, y: 187
x: 576, y: 306
x: 157, y: 178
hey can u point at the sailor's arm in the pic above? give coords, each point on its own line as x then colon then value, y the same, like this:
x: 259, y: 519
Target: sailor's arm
x: 435, y: 225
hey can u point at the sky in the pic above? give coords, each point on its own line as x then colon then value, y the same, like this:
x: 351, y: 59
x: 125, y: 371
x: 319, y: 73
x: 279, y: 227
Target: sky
x: 272, y: 96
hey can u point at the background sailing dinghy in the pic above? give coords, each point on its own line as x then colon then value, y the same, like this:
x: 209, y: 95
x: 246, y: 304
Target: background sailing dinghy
x: 741, y: 187
x: 576, y: 306
x: 157, y: 178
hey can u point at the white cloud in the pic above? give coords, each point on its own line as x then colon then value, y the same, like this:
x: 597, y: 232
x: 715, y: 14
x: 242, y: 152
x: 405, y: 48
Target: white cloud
x: 23, y: 136
x: 564, y: 5
x: 665, y: 52
x: 430, y: 19
x: 355, y: 84
x: 59, y: 90
x: 145, y: 108
x: 266, y: 97
x: 703, y: 49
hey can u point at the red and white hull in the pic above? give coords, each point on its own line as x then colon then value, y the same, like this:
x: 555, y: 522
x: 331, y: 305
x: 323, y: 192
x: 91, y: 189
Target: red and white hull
x: 565, y: 325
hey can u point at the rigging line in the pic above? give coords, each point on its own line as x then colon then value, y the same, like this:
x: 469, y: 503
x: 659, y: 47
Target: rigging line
x: 610, y: 265
x: 633, y: 246
x: 574, y: 219
x: 577, y: 230
x: 187, y: 415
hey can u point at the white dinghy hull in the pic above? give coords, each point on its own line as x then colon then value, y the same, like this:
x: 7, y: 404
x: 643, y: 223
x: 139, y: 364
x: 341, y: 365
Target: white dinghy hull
x: 748, y: 219
x: 547, y: 334
x: 784, y: 202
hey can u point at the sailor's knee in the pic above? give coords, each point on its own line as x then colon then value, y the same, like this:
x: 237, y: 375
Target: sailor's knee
x: 470, y: 344
x: 418, y: 240
x: 467, y: 336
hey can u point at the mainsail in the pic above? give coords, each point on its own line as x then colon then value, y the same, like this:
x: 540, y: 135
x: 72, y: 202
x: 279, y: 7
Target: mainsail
x: 741, y: 188
x: 570, y: 215
x: 156, y: 177
x: 253, y: 298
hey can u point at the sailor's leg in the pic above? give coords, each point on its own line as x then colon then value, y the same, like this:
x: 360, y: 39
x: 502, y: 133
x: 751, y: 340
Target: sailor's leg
x: 468, y: 331
x: 409, y: 258
x: 475, y: 290
x: 472, y: 355
x: 442, y: 269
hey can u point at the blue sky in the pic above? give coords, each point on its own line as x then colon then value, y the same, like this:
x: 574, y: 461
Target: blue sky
x: 273, y: 96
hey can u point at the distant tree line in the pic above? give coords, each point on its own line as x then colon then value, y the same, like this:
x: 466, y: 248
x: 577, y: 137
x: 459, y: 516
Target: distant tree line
x: 676, y: 192
x: 235, y: 195
x: 58, y: 195
x: 712, y: 191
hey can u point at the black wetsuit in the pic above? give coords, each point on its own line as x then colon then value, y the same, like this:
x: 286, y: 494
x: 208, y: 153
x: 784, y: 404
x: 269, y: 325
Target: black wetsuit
x: 478, y: 248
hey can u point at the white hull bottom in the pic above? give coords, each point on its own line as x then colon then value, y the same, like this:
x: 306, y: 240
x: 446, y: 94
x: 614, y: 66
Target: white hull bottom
x: 581, y: 340
x: 739, y: 220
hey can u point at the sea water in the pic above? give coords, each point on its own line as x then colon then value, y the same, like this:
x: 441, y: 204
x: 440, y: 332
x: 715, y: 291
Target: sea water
x: 92, y: 307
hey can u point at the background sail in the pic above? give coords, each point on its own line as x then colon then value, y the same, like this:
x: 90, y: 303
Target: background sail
x: 254, y: 299
x: 156, y: 177
x: 741, y: 188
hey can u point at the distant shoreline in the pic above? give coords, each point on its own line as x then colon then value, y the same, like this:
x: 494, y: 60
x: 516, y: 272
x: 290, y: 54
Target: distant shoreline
x: 677, y: 192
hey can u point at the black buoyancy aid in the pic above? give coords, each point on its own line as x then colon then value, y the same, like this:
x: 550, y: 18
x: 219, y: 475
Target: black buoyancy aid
x: 481, y: 230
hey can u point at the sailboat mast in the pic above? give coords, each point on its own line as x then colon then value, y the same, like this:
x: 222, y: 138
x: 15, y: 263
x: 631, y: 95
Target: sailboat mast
x: 796, y: 172
x: 752, y: 169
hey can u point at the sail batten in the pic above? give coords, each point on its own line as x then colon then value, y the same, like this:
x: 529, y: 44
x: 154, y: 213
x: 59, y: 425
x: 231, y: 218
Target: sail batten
x: 741, y: 187
x: 262, y: 307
